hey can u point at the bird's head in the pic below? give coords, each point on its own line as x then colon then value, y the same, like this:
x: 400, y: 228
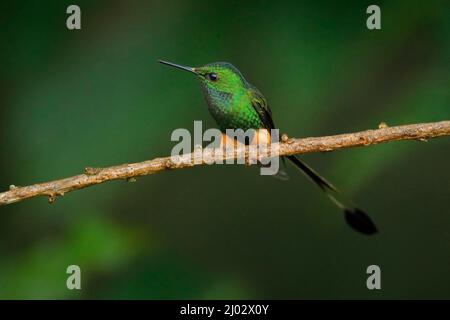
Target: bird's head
x: 216, y: 77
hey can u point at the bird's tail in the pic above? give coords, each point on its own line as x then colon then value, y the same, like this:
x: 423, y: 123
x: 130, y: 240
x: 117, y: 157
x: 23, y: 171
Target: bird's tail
x: 354, y: 216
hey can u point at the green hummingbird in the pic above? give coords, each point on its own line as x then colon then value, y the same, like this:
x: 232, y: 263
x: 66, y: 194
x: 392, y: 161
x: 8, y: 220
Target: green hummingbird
x: 234, y: 103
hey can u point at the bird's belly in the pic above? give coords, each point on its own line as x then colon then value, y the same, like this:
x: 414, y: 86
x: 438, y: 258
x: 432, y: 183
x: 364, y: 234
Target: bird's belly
x: 235, y: 119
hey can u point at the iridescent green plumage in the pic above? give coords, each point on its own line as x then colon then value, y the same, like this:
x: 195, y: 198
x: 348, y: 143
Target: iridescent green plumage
x: 231, y: 99
x: 236, y: 104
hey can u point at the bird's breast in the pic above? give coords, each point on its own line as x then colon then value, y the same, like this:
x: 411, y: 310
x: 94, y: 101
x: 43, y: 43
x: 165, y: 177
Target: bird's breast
x: 231, y: 110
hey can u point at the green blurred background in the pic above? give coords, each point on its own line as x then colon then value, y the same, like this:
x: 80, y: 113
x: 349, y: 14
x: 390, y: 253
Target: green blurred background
x: 97, y: 97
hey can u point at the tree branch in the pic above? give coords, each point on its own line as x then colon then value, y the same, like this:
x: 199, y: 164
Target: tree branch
x: 288, y: 146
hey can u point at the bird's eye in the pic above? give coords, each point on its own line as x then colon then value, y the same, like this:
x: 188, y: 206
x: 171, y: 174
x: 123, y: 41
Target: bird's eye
x: 213, y: 76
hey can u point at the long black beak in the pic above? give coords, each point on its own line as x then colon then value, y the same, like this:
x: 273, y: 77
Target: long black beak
x: 190, y: 69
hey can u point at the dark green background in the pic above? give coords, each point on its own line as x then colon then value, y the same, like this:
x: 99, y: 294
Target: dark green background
x: 97, y: 97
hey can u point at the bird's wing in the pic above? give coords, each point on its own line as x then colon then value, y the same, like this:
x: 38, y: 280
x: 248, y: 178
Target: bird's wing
x: 260, y: 105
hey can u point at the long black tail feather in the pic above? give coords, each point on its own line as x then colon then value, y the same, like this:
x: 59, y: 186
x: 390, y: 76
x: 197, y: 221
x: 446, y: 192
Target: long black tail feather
x: 355, y: 217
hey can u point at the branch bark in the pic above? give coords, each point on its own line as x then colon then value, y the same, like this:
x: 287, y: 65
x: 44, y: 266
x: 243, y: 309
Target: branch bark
x: 288, y: 146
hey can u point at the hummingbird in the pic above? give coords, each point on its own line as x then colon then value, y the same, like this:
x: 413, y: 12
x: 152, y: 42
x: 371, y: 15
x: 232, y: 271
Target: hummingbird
x: 234, y: 103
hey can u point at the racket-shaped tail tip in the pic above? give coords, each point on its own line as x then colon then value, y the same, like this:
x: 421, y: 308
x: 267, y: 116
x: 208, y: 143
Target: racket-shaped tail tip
x: 360, y: 221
